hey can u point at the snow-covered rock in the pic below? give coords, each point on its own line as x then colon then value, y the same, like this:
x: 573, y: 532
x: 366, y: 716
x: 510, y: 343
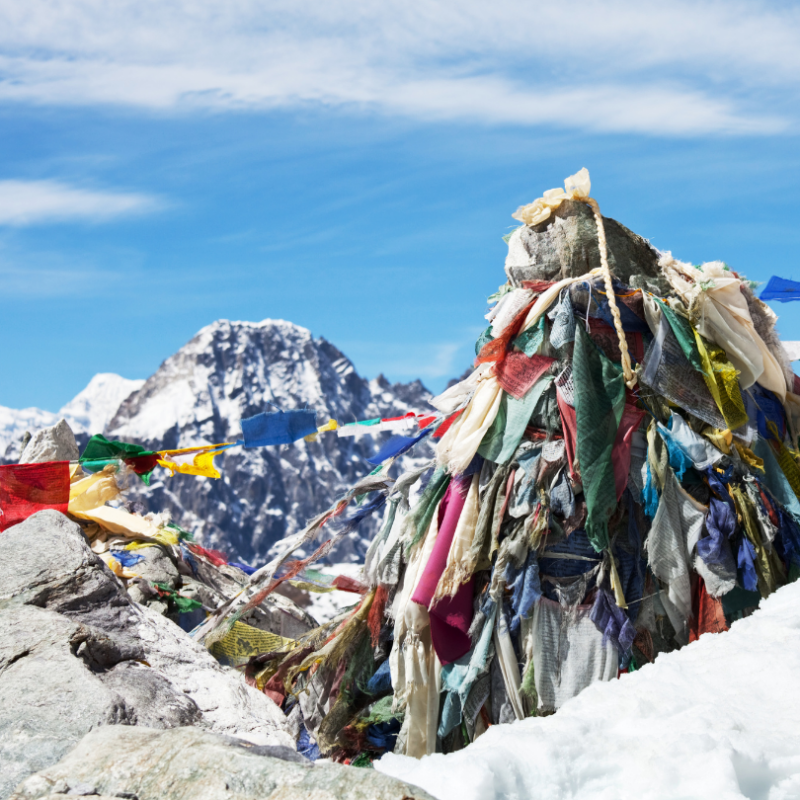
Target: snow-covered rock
x: 231, y: 370
x: 91, y: 410
x: 715, y: 719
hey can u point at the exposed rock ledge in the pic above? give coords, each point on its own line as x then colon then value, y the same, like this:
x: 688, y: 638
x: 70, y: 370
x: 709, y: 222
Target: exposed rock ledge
x: 82, y: 664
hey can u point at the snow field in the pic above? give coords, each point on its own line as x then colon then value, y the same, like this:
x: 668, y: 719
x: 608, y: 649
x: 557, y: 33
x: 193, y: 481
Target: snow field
x: 717, y: 719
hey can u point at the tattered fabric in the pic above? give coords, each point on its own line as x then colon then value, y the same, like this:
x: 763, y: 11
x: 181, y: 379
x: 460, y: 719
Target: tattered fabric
x: 278, y: 427
x: 28, y: 488
x: 599, y: 404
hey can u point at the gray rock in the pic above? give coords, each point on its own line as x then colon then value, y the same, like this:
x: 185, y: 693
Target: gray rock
x: 51, y: 444
x: 156, y: 567
x: 69, y: 669
x: 152, y: 700
x: 48, y: 697
x: 46, y: 561
x: 565, y: 245
x: 189, y: 764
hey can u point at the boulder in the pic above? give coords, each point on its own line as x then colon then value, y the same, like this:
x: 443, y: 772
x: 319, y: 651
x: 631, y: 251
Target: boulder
x: 76, y: 653
x: 156, y: 566
x: 48, y: 697
x: 565, y: 246
x: 190, y: 764
x: 56, y: 443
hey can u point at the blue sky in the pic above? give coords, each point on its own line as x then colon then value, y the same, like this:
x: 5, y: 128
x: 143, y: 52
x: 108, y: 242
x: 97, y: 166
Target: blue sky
x: 352, y: 168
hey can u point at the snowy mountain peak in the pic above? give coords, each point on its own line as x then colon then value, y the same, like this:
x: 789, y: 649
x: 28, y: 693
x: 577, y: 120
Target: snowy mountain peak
x: 231, y: 370
x: 92, y: 409
x: 89, y: 412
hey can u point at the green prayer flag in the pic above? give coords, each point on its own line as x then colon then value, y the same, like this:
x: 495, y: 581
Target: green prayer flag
x: 599, y: 403
x: 503, y: 436
x: 183, y: 604
x: 98, y: 447
x: 531, y: 340
x: 684, y: 333
x: 483, y: 339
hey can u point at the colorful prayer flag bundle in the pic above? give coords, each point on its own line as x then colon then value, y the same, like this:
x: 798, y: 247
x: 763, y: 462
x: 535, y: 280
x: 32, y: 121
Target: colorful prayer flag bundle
x: 617, y: 476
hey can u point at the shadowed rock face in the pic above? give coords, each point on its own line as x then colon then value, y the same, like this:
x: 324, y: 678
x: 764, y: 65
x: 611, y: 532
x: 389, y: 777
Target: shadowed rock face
x: 189, y: 764
x: 565, y: 246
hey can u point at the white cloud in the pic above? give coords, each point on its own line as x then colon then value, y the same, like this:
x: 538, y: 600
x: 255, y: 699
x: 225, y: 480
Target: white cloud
x: 673, y: 69
x: 32, y: 202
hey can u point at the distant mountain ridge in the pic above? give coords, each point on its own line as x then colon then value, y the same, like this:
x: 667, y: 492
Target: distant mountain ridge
x: 88, y: 412
x: 199, y: 395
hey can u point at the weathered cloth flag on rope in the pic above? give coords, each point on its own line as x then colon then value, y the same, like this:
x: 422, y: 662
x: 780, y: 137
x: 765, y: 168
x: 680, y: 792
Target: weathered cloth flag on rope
x: 28, y: 488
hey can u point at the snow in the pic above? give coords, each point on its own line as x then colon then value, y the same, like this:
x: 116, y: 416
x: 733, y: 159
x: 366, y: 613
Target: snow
x: 717, y: 719
x: 92, y: 409
x: 89, y: 411
x: 14, y: 423
x: 325, y: 606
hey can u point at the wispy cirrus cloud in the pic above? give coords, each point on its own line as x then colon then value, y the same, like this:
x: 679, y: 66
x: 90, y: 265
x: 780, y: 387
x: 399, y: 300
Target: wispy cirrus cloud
x: 669, y: 69
x: 31, y: 202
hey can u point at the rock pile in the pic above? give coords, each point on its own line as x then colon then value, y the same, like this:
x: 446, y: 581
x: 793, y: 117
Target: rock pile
x: 152, y: 713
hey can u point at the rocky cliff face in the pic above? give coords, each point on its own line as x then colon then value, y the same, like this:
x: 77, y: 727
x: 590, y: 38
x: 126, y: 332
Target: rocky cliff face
x: 232, y: 370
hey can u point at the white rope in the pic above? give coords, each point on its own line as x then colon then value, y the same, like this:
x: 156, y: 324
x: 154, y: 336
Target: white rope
x: 627, y: 370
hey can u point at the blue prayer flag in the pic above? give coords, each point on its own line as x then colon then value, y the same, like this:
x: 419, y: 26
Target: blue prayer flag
x: 396, y: 446
x: 246, y: 568
x: 781, y: 289
x: 127, y: 558
x: 278, y: 427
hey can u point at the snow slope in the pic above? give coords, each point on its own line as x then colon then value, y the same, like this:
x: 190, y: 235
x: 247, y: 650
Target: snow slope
x: 717, y: 719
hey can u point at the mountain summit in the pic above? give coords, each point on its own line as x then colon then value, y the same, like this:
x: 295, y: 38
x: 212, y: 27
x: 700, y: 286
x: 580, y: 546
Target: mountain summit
x: 231, y: 370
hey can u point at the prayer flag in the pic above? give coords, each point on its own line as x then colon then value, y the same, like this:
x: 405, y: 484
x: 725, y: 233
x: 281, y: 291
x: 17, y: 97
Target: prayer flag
x: 278, y: 427
x: 518, y: 372
x: 98, y: 447
x: 396, y: 446
x: 781, y: 290
x: 28, y: 488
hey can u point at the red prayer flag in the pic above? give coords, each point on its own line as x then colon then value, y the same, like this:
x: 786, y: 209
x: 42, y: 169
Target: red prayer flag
x: 708, y: 615
x: 516, y: 373
x: 607, y: 339
x: 141, y: 465
x: 537, y: 286
x: 346, y: 584
x: 445, y: 426
x: 495, y: 350
x: 28, y: 488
